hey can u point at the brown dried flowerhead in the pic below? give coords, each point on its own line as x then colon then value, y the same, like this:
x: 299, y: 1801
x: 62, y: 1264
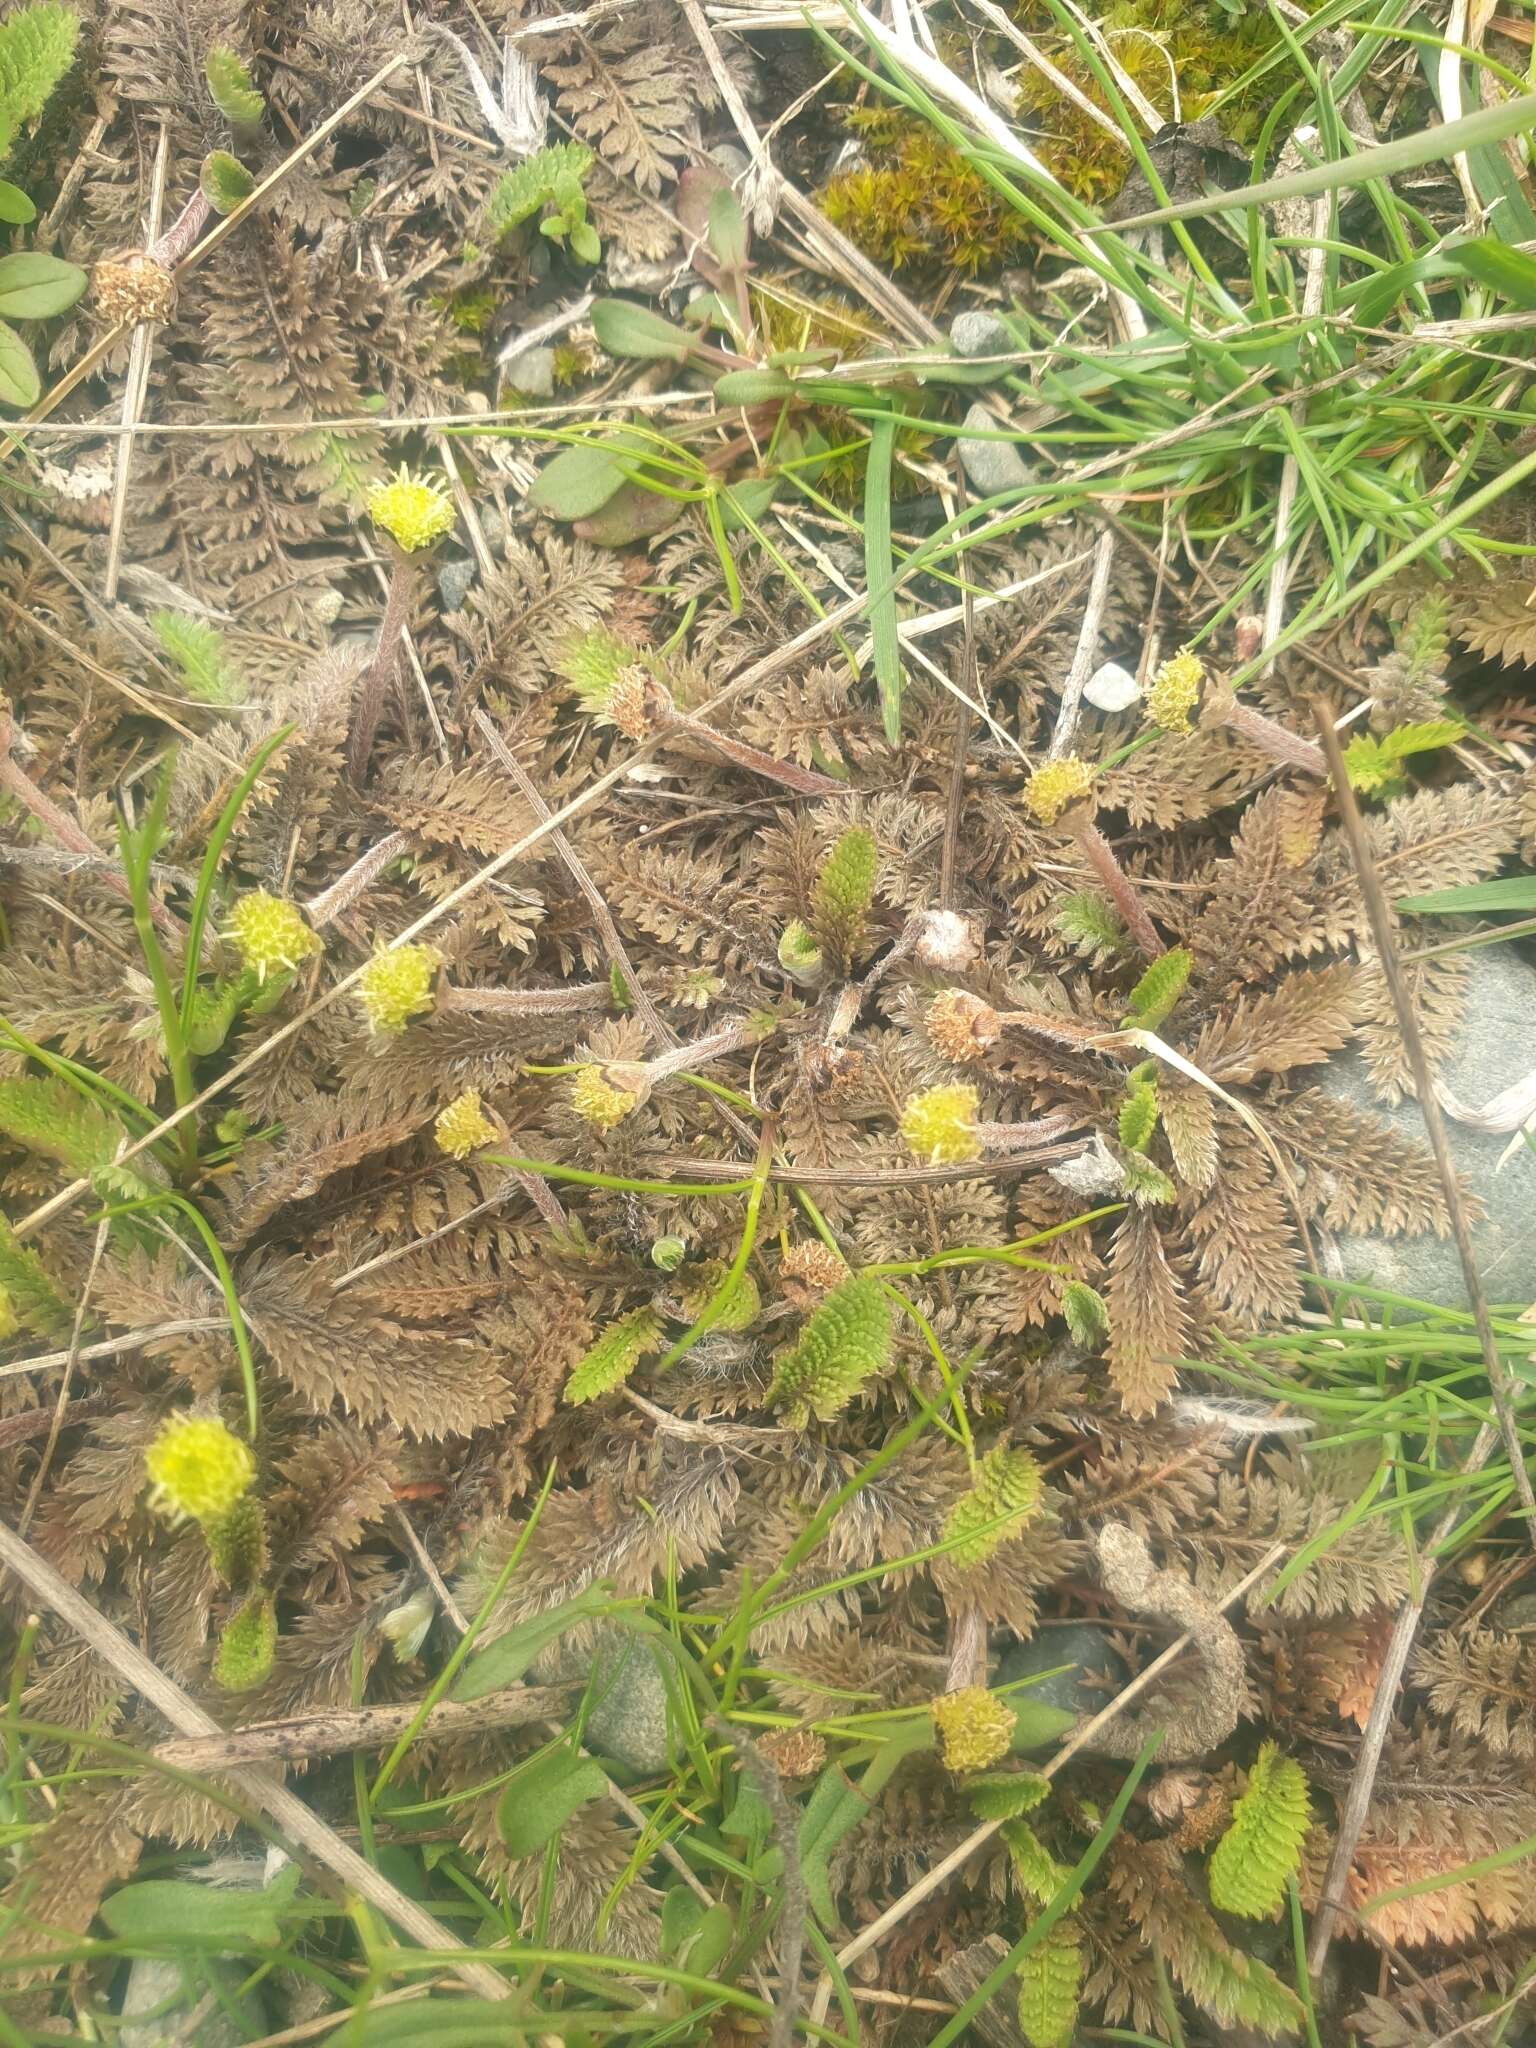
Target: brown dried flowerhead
x: 946, y: 942
x: 808, y: 1270
x: 131, y: 286
x: 962, y: 1026
x: 632, y: 704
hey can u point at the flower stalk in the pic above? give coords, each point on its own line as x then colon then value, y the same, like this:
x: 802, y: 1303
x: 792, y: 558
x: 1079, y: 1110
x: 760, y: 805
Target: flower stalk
x: 1222, y: 707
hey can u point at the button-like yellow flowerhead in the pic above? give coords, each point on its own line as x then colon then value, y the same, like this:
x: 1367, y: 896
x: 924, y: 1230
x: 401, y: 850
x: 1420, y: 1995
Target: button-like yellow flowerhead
x: 940, y: 1124
x: 463, y: 1127
x: 974, y: 1728
x: 1174, y: 691
x: 268, y: 933
x: 399, y: 985
x: 596, y: 1101
x: 1054, y: 785
x: 413, y: 510
x: 198, y: 1467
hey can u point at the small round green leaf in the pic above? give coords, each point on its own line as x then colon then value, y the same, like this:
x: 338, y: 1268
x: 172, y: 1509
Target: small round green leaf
x: 15, y: 206
x: 18, y: 373
x: 34, y: 286
x: 579, y: 481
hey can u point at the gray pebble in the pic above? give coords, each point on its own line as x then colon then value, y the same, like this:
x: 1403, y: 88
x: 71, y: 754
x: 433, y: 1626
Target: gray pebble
x: 992, y: 466
x: 531, y: 372
x: 979, y: 333
x: 1495, y: 1047
x: 1081, y: 1646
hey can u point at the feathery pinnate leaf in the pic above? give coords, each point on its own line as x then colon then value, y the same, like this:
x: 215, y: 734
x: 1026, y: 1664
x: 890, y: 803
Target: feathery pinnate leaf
x: 844, y: 892
x: 614, y: 1356
x: 1261, y: 1851
x: 37, y: 47
x: 1050, y: 1984
x: 1003, y: 1496
x: 846, y: 1340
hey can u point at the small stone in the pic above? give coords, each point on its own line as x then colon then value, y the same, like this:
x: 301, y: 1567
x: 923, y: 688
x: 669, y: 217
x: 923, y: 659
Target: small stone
x: 979, y: 333
x: 991, y: 465
x: 1111, y: 688
x: 1085, y: 1649
x: 628, y: 1721
x: 1094, y: 1171
x: 531, y: 372
x: 1492, y: 1052
x: 454, y: 581
x: 160, y: 1986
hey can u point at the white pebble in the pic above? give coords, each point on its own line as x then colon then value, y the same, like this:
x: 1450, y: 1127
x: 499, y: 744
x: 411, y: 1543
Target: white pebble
x: 1111, y: 688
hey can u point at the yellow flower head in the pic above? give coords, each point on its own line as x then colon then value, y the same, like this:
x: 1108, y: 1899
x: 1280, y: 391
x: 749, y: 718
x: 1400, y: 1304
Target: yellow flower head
x: 1175, y: 691
x: 596, y: 1101
x: 412, y: 510
x: 974, y: 1728
x: 940, y: 1124
x: 1054, y: 785
x: 197, y: 1467
x: 399, y: 985
x: 269, y: 933
x: 463, y: 1127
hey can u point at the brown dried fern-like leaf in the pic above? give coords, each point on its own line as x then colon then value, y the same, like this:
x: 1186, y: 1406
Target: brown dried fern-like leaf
x: 328, y: 1347
x: 1311, y: 1014
x: 1437, y: 991
x: 1148, y: 1323
x: 1247, y: 1257
x: 329, y: 1135
x: 1357, y: 1173
x: 1262, y: 910
x: 632, y: 91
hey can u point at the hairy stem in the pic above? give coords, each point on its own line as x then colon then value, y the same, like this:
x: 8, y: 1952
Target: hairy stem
x: 1118, y: 887
x: 373, y: 687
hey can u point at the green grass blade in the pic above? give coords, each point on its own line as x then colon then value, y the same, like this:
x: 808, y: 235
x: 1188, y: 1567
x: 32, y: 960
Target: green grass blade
x: 878, y: 573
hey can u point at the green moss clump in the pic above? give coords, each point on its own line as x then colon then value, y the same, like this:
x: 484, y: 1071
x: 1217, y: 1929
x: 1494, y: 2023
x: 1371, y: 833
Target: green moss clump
x: 1153, y: 41
x: 923, y: 207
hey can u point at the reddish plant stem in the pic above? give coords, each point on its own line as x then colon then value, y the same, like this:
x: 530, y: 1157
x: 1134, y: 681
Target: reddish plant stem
x: 373, y: 685
x: 1267, y: 734
x: 1118, y: 886
x: 183, y: 231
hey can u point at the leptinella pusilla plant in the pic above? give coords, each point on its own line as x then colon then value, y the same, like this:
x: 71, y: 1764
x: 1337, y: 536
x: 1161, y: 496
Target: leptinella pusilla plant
x: 200, y: 1471
x: 1182, y: 685
x: 413, y: 513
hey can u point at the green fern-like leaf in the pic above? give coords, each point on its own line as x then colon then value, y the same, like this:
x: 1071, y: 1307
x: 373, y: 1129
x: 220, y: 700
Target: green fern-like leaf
x: 1374, y: 763
x: 844, y: 892
x: 1159, y: 988
x: 1261, y: 1851
x: 549, y: 176
x: 200, y: 657
x: 1145, y: 1183
x: 611, y: 1360
x: 1035, y: 1870
x: 1086, y: 1314
x: 246, y: 1648
x: 1138, y: 1115
x: 232, y: 87
x: 1050, y: 1982
x: 37, y: 47
x: 1088, y: 922
x: 592, y: 663
x: 1005, y: 1795
x: 34, y: 1300
x: 1424, y: 638
x: 51, y: 1118
x: 225, y: 181
x: 846, y: 1340
x: 1002, y: 1498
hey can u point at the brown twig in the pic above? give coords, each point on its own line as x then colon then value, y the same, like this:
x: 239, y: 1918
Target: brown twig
x: 1116, y: 883
x: 602, y: 917
x: 302, y: 1826
x: 338, y: 1731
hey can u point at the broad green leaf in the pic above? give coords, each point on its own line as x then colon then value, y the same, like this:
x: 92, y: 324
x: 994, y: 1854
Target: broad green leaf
x: 625, y: 329
x: 542, y: 1798
x: 578, y: 482
x: 1425, y: 145
x: 188, y: 1915
x: 34, y: 286
x: 225, y: 181
x: 1036, y: 1725
x: 879, y: 574
x: 632, y: 513
x: 728, y: 237
x: 694, y: 1937
x: 19, y: 383
x: 753, y: 387
x: 503, y: 1661
x: 1476, y: 899
x: 1510, y: 272
x: 15, y: 207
